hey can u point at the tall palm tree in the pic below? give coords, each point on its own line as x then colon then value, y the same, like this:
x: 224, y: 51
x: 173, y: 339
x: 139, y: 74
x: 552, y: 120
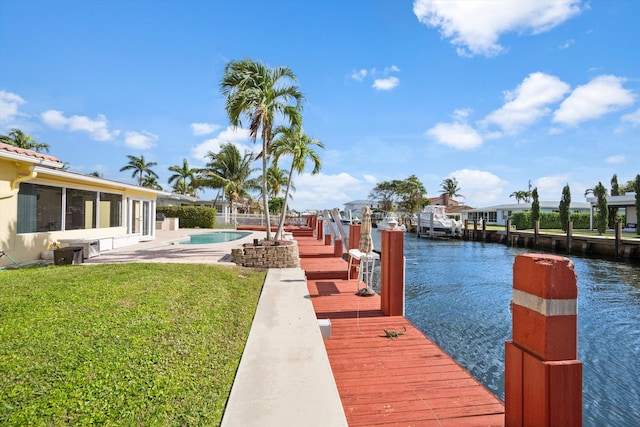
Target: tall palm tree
x: 184, y: 178
x: 231, y: 172
x: 140, y: 168
x: 450, y: 187
x: 520, y: 195
x: 293, y: 142
x: 259, y: 93
x: 17, y: 138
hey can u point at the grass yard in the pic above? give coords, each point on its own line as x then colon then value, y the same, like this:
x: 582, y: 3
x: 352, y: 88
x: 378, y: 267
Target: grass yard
x: 126, y: 344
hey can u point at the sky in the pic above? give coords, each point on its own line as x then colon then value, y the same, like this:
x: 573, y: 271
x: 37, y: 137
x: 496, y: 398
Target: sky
x: 494, y: 93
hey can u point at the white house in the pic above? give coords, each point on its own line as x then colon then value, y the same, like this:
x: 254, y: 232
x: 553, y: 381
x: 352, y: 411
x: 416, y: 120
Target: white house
x: 498, y: 215
x: 626, y: 204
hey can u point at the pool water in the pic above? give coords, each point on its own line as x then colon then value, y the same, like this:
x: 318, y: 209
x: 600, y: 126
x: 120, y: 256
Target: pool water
x: 215, y: 237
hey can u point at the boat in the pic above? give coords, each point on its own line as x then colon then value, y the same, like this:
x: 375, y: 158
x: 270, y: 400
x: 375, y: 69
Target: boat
x: 434, y: 219
x: 390, y: 222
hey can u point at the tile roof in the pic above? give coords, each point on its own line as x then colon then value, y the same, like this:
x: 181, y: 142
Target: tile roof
x: 29, y: 153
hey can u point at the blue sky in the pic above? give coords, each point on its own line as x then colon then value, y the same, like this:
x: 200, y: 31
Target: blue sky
x: 495, y: 93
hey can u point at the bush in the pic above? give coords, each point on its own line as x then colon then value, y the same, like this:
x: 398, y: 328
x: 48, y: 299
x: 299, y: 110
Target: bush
x: 190, y: 216
x: 549, y: 220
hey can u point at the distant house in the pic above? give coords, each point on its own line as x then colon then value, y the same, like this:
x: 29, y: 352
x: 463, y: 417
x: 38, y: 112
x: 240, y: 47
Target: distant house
x: 454, y: 208
x: 498, y: 215
x: 41, y: 203
x: 626, y: 205
x: 355, y: 206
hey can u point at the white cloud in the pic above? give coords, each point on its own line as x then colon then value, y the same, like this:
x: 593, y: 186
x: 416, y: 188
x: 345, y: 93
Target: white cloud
x: 567, y: 44
x: 615, y: 160
x: 550, y: 187
x: 328, y: 191
x: 602, y: 95
x: 359, y: 75
x: 479, y: 188
x: 97, y: 129
x: 633, y: 118
x: 475, y: 26
x: 386, y: 84
x: 140, y: 140
x: 237, y: 136
x: 9, y: 106
x: 458, y: 135
x: 203, y: 128
x: 528, y: 102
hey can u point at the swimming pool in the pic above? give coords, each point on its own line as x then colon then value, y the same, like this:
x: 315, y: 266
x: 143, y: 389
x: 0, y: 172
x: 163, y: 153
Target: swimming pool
x: 215, y: 237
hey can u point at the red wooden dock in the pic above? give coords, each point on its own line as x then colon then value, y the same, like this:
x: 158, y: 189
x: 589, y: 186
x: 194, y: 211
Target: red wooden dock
x: 403, y: 381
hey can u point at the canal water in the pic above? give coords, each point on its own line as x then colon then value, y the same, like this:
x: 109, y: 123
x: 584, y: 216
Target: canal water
x: 458, y: 294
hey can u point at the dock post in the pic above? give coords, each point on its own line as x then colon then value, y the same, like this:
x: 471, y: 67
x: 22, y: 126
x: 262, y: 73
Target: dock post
x: 618, y: 244
x: 465, y: 233
x: 543, y: 379
x: 320, y: 229
x: 508, y: 231
x: 355, y: 230
x: 569, y: 236
x: 392, y: 273
x: 337, y: 246
x: 536, y: 232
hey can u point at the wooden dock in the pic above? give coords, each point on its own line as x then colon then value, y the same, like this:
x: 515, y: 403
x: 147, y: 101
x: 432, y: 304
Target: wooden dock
x: 403, y: 381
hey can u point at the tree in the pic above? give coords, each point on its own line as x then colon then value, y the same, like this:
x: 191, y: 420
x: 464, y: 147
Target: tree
x: 450, y: 187
x: 636, y: 188
x: 184, y: 177
x: 140, y: 167
x: 277, y: 179
x: 520, y: 196
x: 293, y: 142
x: 386, y: 193
x: 259, y: 93
x: 231, y: 172
x: 535, y: 207
x: 565, y: 207
x: 600, y: 192
x: 150, y: 181
x: 615, y: 191
x: 412, y: 194
x: 17, y: 138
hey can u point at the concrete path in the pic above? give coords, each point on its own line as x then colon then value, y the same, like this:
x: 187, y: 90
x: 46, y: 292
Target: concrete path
x: 284, y: 378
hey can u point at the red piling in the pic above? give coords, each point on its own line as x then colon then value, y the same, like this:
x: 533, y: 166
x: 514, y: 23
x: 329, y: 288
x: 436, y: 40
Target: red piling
x: 392, y: 273
x: 543, y: 379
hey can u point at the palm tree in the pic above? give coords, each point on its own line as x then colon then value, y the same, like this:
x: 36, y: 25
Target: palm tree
x: 140, y: 167
x: 17, y: 138
x: 520, y: 195
x: 230, y: 171
x: 450, y: 187
x: 259, y: 93
x: 150, y: 181
x: 293, y: 142
x: 184, y: 178
x: 276, y: 179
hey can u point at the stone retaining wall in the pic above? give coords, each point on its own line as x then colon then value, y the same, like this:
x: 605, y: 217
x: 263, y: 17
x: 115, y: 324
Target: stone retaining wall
x: 284, y: 255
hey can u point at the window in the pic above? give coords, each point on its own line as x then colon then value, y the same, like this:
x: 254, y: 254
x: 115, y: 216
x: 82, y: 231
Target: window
x: 110, y: 210
x: 80, y: 212
x: 39, y: 208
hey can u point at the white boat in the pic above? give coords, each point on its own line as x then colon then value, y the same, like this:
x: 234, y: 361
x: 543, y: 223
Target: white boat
x: 434, y: 218
x: 390, y: 222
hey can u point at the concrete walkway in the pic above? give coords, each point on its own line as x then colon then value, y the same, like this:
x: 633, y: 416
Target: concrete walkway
x: 284, y: 378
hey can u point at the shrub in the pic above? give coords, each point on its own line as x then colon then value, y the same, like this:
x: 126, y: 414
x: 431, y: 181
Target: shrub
x: 191, y: 216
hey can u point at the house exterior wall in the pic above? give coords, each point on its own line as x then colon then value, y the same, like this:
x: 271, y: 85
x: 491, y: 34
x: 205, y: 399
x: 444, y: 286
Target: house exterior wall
x: 28, y: 246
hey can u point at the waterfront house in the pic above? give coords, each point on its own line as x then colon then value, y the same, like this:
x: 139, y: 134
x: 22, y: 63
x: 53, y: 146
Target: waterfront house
x: 41, y: 203
x: 498, y: 215
x: 626, y: 205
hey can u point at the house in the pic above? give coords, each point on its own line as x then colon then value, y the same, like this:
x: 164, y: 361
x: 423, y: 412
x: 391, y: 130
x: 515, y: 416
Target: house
x: 453, y: 207
x: 355, y: 206
x: 626, y: 205
x: 498, y: 215
x: 41, y: 203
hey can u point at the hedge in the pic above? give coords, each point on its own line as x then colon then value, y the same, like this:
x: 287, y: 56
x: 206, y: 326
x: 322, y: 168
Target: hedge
x: 549, y: 220
x: 190, y: 216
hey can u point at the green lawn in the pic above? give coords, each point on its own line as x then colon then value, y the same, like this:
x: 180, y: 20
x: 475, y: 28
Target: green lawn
x: 128, y: 344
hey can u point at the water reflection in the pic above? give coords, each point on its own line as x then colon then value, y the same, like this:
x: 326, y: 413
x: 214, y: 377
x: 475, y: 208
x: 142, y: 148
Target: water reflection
x: 458, y: 294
